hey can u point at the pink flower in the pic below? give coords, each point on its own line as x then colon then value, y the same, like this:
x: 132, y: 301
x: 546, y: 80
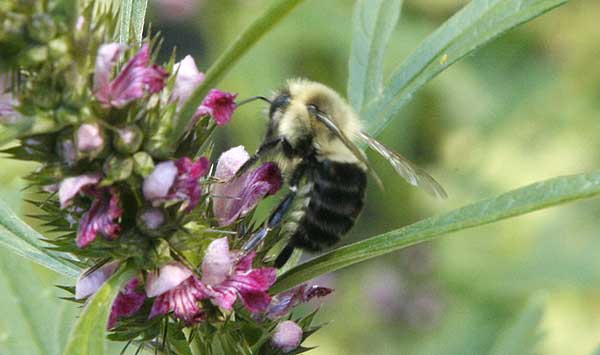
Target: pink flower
x: 8, y: 114
x: 89, y: 282
x: 127, y: 303
x: 218, y: 104
x: 72, y: 186
x: 287, y: 336
x: 187, y: 80
x: 102, y: 217
x: 236, y: 198
x: 225, y: 279
x: 284, y: 302
x: 176, y: 181
x: 176, y: 290
x: 136, y: 78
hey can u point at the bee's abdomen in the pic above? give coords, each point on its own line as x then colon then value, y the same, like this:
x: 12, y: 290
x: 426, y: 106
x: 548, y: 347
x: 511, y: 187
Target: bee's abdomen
x: 335, y: 200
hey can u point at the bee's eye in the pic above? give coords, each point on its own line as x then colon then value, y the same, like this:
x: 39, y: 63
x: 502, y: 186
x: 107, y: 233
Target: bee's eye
x: 280, y: 102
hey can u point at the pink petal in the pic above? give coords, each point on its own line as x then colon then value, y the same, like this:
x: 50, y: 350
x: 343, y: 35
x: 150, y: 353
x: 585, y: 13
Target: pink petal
x: 102, y: 217
x: 157, y: 185
x: 88, y: 284
x: 108, y: 55
x: 70, y: 187
x: 223, y: 297
x: 187, y: 80
x: 137, y: 77
x: 287, y: 336
x: 166, y: 279
x: 243, y: 194
x: 127, y: 303
x: 217, y: 263
x: 187, y: 187
x: 220, y: 105
x: 255, y: 301
x: 182, y: 301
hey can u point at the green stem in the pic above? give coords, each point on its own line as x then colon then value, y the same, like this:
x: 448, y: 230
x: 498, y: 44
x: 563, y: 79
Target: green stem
x: 527, y: 199
x: 246, y: 40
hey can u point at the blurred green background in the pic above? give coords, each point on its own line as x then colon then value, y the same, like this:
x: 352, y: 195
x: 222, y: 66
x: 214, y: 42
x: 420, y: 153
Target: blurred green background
x: 522, y: 109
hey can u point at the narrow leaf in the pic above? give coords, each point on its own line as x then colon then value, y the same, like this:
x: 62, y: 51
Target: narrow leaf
x: 25, y: 241
x: 88, y: 336
x: 523, y: 336
x: 248, y: 38
x: 526, y: 199
x: 373, y: 24
x: 475, y: 25
x: 131, y: 17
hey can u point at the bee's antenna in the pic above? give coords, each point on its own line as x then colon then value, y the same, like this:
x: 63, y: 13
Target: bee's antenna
x: 254, y: 98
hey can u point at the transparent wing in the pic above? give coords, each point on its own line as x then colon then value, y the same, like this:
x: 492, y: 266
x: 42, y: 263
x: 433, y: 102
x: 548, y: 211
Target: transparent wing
x: 405, y: 168
x: 333, y: 128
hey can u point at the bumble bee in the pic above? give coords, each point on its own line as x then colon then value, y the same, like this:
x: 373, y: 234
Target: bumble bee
x: 312, y: 135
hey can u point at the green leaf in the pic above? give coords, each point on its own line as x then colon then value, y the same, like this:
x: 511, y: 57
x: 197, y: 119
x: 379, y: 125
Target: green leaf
x: 25, y: 241
x: 524, y: 334
x: 248, y: 38
x: 476, y: 24
x: 131, y: 17
x: 373, y: 24
x: 33, y: 318
x: 526, y: 199
x: 89, y: 333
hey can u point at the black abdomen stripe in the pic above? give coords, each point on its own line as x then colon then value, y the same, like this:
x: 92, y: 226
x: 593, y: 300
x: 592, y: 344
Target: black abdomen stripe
x: 336, y: 199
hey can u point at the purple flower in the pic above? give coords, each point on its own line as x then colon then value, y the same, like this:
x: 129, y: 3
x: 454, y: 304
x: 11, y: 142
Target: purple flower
x: 236, y: 198
x: 283, y: 303
x: 218, y: 104
x: 102, y: 217
x: 89, y: 138
x: 176, y: 181
x: 70, y: 187
x: 187, y: 80
x: 226, y: 279
x: 136, y: 78
x: 176, y: 290
x: 127, y: 303
x: 287, y: 336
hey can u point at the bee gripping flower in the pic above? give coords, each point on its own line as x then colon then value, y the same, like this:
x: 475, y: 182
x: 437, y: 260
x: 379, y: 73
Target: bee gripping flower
x: 137, y: 77
x: 226, y: 278
x: 287, y: 336
x: 176, y: 290
x: 238, y: 197
x: 218, y: 104
x: 176, y: 181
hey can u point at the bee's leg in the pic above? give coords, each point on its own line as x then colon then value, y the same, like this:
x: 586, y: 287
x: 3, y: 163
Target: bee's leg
x: 279, y: 212
x: 264, y: 148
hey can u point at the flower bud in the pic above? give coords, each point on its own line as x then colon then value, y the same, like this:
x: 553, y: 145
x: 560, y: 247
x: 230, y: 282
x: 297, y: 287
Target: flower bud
x: 117, y: 169
x: 41, y: 28
x: 89, y: 139
x: 287, y: 336
x: 143, y: 164
x: 150, y: 220
x: 128, y: 139
x: 33, y: 56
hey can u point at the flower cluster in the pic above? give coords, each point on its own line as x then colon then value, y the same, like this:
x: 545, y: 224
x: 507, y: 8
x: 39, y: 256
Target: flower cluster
x: 121, y: 191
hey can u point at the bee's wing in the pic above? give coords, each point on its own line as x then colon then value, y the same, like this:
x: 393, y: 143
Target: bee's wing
x: 333, y: 128
x: 409, y: 171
